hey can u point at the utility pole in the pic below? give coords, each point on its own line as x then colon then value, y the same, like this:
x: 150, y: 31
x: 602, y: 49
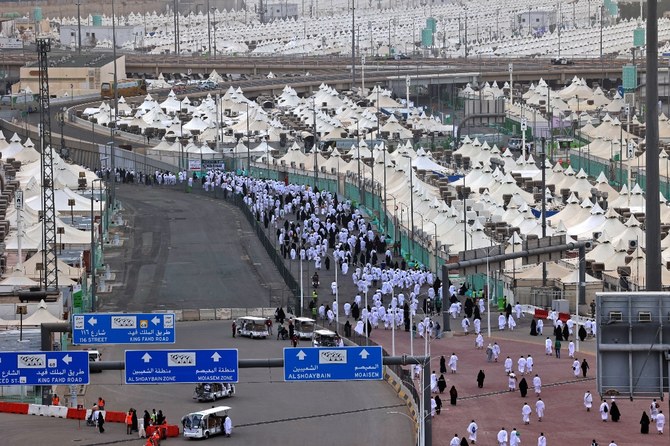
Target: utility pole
x: 653, y: 214
x: 49, y: 257
x: 112, y: 197
x: 353, y: 43
x: 78, y: 27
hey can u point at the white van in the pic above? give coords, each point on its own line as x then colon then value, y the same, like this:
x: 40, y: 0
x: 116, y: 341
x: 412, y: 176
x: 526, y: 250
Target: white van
x: 253, y: 327
x: 304, y: 327
x: 205, y: 423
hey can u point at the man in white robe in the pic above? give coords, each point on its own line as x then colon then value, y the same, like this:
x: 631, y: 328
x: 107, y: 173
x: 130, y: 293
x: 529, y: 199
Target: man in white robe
x: 508, y: 365
x: 537, y: 385
x: 502, y: 437
x: 453, y: 362
x: 548, y: 347
x: 525, y: 413
x: 501, y: 322
x: 465, y: 323
x: 604, y: 411
x: 514, y: 438
x: 571, y: 349
x: 479, y: 341
x: 660, y: 422
x: 521, y: 365
x: 472, y: 432
x: 539, y: 408
x: 541, y: 440
x: 588, y: 401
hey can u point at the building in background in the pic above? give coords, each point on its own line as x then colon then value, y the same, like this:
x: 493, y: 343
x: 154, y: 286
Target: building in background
x: 280, y: 11
x: 73, y: 75
x: 95, y: 34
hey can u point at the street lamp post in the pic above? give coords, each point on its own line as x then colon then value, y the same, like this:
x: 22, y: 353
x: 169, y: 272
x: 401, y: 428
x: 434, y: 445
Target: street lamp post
x: 209, y: 31
x: 214, y: 26
x: 248, y: 142
x: 78, y: 27
x: 92, y: 255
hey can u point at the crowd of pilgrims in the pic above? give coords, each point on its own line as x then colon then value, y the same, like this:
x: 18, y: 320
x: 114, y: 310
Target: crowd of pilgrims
x: 319, y: 228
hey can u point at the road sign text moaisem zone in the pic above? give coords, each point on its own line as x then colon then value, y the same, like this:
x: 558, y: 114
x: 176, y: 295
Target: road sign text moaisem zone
x: 181, y: 366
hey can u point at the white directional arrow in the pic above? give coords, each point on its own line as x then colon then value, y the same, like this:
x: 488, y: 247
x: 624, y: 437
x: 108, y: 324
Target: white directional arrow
x: 146, y: 357
x: 67, y: 359
x: 301, y: 355
x: 155, y: 320
x: 216, y: 356
x: 364, y: 354
x: 93, y: 321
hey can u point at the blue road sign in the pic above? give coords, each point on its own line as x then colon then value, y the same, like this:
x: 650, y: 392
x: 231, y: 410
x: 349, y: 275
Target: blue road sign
x: 123, y: 328
x: 333, y: 364
x: 43, y: 368
x: 181, y: 366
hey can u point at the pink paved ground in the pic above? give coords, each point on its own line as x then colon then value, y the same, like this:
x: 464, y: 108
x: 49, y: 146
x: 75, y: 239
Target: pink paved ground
x: 566, y: 419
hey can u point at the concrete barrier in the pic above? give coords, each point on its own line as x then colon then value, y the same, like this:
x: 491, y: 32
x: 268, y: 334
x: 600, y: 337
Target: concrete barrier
x: 37, y: 409
x: 57, y: 411
x: 223, y: 314
x: 207, y: 314
x: 190, y: 315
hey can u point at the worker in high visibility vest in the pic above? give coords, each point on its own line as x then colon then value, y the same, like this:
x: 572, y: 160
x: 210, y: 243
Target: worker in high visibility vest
x: 55, y: 401
x: 129, y: 422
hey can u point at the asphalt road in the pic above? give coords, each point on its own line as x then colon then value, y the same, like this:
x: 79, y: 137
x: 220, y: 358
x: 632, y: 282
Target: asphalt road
x: 265, y: 409
x: 187, y: 251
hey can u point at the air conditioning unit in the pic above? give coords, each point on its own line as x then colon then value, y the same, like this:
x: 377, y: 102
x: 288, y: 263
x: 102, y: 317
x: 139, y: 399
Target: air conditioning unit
x: 596, y: 235
x: 632, y: 244
x: 644, y: 316
x: 616, y: 316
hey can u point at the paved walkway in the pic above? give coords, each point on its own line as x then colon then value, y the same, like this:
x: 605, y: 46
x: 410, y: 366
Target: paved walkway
x: 492, y: 407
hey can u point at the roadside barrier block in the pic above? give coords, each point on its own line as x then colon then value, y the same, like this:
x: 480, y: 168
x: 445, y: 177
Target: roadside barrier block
x: 37, y: 409
x: 57, y: 411
x: 207, y: 314
x: 190, y: 315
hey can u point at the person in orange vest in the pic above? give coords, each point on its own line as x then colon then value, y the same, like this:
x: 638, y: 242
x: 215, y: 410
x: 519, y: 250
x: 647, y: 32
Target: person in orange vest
x: 154, y: 439
x: 101, y: 403
x: 129, y: 422
x: 55, y: 401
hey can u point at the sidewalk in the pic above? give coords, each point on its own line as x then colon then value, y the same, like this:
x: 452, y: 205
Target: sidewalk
x: 493, y: 407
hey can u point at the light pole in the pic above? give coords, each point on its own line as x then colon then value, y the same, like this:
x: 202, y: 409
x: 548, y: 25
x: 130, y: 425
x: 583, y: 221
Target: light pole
x: 248, y: 141
x: 78, y: 27
x: 411, y: 204
x: 436, y: 243
x: 214, y: 26
x: 92, y: 256
x: 209, y: 31
x: 358, y: 156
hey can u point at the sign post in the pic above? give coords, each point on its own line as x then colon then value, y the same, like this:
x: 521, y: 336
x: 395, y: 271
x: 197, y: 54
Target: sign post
x: 181, y: 366
x: 333, y: 364
x: 121, y: 328
x: 43, y: 368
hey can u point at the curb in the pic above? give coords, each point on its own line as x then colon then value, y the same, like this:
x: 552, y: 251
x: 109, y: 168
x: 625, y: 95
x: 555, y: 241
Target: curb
x: 399, y: 388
